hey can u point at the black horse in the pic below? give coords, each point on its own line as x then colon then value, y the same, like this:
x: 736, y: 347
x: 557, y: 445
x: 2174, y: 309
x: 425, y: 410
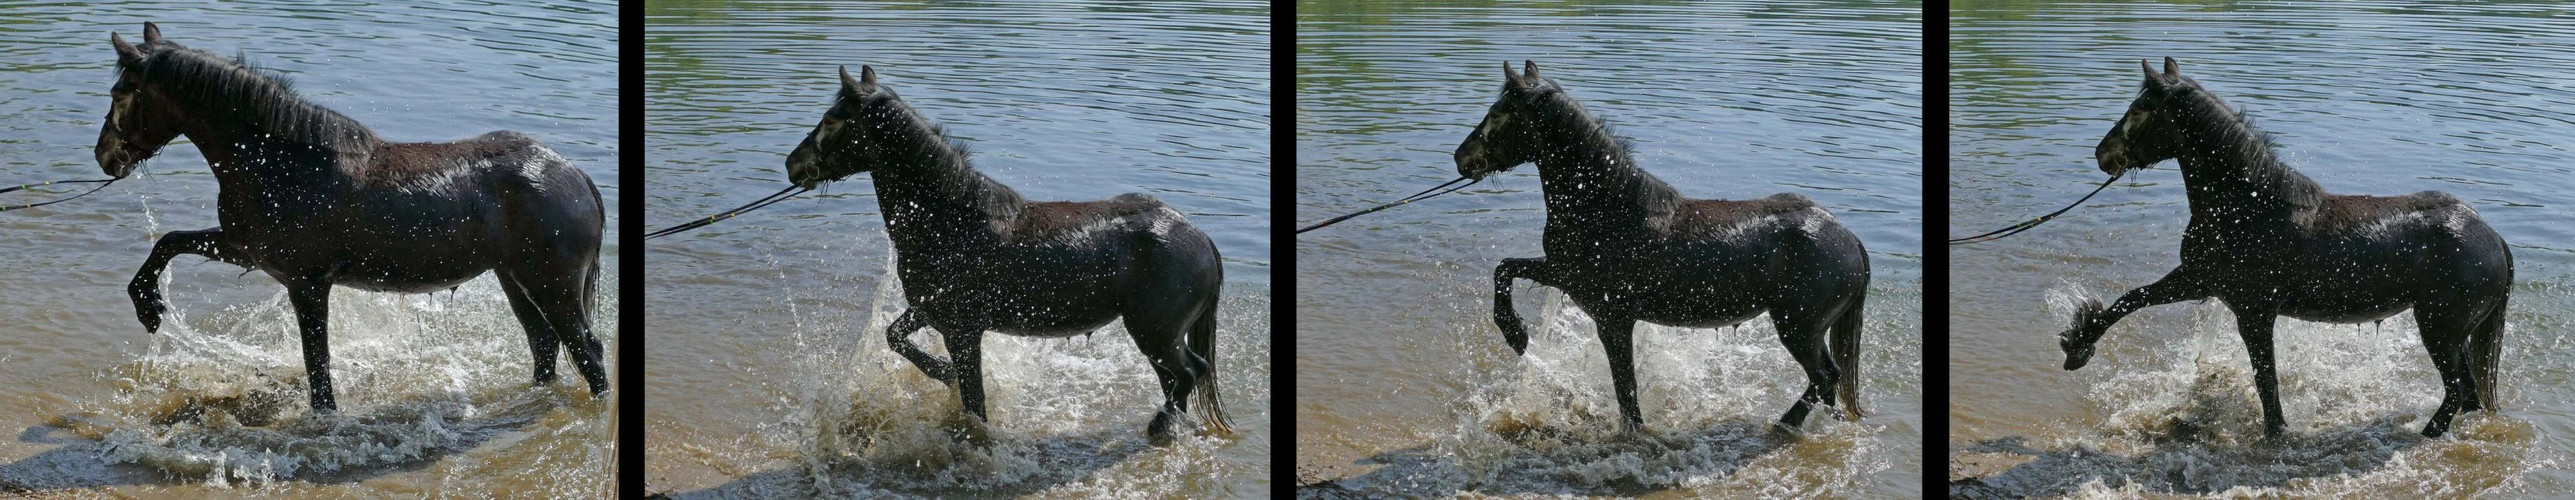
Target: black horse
x: 1626, y: 247
x: 974, y: 256
x: 2271, y: 243
x: 314, y: 199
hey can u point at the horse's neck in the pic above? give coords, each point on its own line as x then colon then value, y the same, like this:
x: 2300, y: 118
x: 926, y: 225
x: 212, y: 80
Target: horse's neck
x: 1591, y: 183
x: 260, y: 177
x: 2229, y: 168
x: 243, y: 151
x: 943, y: 204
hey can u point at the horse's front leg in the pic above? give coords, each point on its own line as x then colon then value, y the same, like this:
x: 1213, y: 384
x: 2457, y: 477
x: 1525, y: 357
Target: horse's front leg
x: 2255, y: 326
x: 899, y: 337
x: 2091, y: 321
x: 965, y: 348
x: 146, y: 287
x: 1618, y: 336
x: 312, y: 300
x: 1506, y: 317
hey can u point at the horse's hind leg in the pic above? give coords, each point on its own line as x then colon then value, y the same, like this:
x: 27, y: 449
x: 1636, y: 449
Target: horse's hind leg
x: 146, y: 287
x: 541, y: 337
x: 561, y: 301
x: 1804, y: 336
x: 2446, y: 331
x: 2485, y: 345
x: 1163, y: 346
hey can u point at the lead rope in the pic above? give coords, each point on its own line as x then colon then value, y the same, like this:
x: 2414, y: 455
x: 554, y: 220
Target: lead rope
x: 2032, y: 223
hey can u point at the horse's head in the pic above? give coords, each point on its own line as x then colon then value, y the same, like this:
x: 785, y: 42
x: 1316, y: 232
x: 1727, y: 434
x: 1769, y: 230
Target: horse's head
x: 140, y: 118
x: 852, y: 136
x: 1511, y: 133
x: 2149, y: 133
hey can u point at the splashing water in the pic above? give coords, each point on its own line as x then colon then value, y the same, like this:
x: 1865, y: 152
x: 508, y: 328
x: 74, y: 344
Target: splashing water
x: 2179, y: 415
x: 221, y: 399
x: 1547, y: 423
x: 1067, y: 414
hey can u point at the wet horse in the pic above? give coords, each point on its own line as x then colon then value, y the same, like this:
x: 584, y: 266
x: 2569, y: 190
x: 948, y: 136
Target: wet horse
x: 1626, y: 248
x: 315, y: 199
x: 2270, y: 242
x: 975, y: 257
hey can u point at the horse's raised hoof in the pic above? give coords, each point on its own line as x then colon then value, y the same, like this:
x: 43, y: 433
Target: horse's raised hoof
x: 148, y: 307
x: 1513, y: 332
x: 2076, y: 342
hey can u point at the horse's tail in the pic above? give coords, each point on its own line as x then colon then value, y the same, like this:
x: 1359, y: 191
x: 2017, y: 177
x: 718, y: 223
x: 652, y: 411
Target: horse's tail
x: 1845, y: 344
x: 2485, y: 347
x: 1202, y: 344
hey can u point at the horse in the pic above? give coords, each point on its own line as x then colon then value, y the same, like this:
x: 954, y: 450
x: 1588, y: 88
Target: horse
x: 1626, y: 248
x: 975, y: 257
x: 2270, y: 242
x: 315, y: 199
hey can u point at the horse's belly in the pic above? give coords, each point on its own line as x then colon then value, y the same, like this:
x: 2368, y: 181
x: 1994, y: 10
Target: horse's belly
x: 2344, y: 311
x: 1716, y: 318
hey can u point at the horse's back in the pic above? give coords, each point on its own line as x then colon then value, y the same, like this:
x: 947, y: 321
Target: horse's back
x: 2367, y: 257
x: 1133, y: 248
x: 538, y: 198
x: 1746, y: 256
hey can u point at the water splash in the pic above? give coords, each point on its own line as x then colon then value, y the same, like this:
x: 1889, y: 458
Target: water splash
x: 1067, y: 414
x: 221, y: 400
x: 1547, y: 423
x: 2179, y: 415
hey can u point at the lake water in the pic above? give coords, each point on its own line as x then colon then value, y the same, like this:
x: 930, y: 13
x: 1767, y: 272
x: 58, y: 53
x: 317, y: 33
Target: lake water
x: 771, y: 376
x: 2366, y: 98
x: 1404, y: 386
x: 433, y: 388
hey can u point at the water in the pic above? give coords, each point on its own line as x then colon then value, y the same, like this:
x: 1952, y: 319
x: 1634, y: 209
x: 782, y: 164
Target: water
x: 2367, y: 98
x: 433, y: 388
x: 1404, y: 387
x: 771, y: 376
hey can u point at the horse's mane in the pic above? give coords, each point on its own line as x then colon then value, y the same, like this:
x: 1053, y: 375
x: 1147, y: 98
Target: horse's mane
x: 2253, y: 149
x: 951, y: 167
x: 264, y: 97
x: 1659, y: 198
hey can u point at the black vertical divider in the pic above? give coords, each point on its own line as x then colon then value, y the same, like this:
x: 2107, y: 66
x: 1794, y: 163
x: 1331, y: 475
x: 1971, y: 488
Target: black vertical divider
x: 1935, y: 268
x: 1283, y: 264
x: 629, y: 228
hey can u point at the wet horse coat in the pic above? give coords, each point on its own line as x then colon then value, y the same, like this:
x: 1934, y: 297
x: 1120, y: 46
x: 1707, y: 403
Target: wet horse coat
x: 975, y: 256
x: 1626, y: 248
x: 315, y: 199
x: 2270, y: 242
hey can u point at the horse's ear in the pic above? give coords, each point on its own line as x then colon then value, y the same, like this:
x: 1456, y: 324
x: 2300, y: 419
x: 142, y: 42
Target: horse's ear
x: 126, y: 53
x: 1508, y: 76
x: 867, y: 76
x: 2153, y: 79
x: 2172, y: 68
x: 151, y: 33
x: 1529, y: 70
x: 856, y: 86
